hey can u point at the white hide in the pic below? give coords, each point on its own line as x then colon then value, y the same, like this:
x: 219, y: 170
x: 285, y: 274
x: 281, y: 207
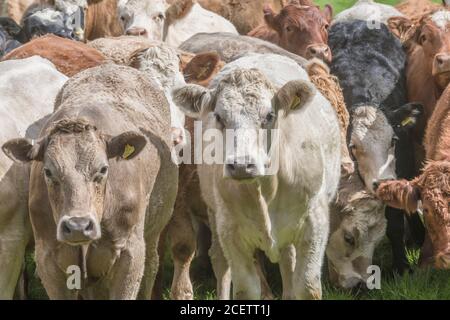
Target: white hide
x: 28, y: 88
x: 293, y: 223
x: 369, y: 11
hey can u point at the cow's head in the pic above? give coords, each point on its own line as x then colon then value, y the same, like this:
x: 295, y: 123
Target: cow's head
x: 6, y: 42
x: 74, y: 16
x: 75, y: 165
x: 49, y: 20
x: 432, y: 35
x: 358, y: 225
x: 374, y: 134
x: 430, y: 193
x: 303, y: 30
x: 143, y: 18
x: 162, y: 64
x: 243, y: 103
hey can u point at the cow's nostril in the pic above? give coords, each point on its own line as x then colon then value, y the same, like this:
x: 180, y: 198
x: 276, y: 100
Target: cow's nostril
x: 439, y: 60
x: 251, y: 166
x: 66, y: 229
x: 313, y: 51
x: 90, y: 226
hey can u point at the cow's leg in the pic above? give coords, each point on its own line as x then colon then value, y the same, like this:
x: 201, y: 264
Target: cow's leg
x: 287, y: 268
x: 183, y: 244
x: 15, y: 232
x: 157, y: 291
x: 219, y: 263
x: 395, y: 232
x: 310, y: 251
x: 53, y: 278
x: 126, y: 275
x: 246, y: 281
x: 266, y: 292
x: 160, y: 209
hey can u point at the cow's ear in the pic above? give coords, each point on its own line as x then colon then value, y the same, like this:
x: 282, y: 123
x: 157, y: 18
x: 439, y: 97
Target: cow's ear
x: 202, y: 67
x: 328, y: 12
x: 24, y: 150
x: 193, y: 100
x: 271, y: 18
x: 294, y: 95
x: 400, y: 194
x: 126, y: 145
x: 406, y: 117
x: 404, y: 29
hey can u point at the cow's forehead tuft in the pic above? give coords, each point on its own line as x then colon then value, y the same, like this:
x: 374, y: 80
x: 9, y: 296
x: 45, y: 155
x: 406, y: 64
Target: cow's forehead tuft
x: 441, y: 18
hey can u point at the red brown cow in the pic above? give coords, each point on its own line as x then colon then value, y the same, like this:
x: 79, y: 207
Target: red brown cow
x: 430, y: 191
x: 301, y: 29
x: 428, y: 67
x: 68, y: 56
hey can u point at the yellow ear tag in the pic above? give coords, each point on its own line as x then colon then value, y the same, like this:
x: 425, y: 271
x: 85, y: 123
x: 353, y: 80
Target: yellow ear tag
x: 129, y: 150
x: 295, y: 102
x: 407, y: 121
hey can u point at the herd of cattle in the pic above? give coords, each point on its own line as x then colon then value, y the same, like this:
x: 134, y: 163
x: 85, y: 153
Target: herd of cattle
x: 95, y: 96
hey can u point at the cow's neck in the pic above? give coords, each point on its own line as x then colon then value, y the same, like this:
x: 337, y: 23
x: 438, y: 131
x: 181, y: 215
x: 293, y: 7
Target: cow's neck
x: 250, y: 201
x: 421, y: 86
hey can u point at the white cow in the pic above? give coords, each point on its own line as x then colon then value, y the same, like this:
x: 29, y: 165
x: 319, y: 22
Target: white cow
x: 276, y: 201
x: 174, y: 24
x: 370, y: 11
x: 28, y: 89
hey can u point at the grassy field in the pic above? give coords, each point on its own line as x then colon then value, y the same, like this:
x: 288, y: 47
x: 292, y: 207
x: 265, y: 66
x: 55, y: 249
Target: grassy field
x: 420, y: 284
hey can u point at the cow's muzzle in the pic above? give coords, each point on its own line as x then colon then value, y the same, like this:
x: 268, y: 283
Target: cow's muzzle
x: 78, y: 230
x: 241, y: 170
x: 320, y: 51
x: 441, y: 69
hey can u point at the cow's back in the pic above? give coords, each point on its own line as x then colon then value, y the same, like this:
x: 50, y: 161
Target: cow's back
x: 231, y: 47
x: 28, y: 89
x: 370, y: 64
x: 68, y: 56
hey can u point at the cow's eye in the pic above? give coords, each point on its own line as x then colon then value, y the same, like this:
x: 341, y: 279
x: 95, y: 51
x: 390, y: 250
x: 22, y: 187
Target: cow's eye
x: 326, y: 26
x: 349, y: 239
x: 218, y: 118
x: 422, y: 39
x: 289, y: 29
x: 122, y: 18
x: 104, y: 170
x: 270, y: 117
x: 48, y: 173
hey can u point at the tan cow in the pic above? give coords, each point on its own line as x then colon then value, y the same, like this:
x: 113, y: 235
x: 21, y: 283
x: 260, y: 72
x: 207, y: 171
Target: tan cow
x: 244, y: 14
x: 102, y: 184
x: 69, y: 57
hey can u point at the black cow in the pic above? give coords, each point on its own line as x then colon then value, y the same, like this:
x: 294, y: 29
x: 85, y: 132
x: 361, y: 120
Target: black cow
x: 370, y: 65
x: 7, y: 43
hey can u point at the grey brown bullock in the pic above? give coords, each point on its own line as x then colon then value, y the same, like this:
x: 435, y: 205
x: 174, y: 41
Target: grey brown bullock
x: 370, y: 65
x: 102, y: 184
x: 285, y: 212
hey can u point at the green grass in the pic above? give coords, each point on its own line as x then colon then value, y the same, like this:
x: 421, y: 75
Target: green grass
x: 421, y: 284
